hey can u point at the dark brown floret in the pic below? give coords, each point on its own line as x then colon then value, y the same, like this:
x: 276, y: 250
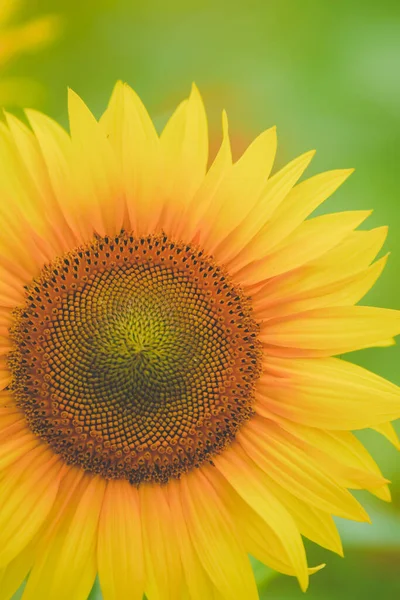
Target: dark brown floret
x: 135, y: 358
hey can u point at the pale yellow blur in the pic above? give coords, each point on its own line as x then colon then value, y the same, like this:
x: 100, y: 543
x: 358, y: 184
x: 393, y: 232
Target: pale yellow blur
x: 18, y: 37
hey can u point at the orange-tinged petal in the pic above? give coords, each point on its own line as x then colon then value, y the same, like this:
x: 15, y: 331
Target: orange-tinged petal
x: 161, y: 552
x: 19, y: 254
x: 16, y: 445
x: 119, y: 546
x: 6, y: 400
x: 65, y: 566
x: 5, y: 375
x: 11, y: 289
x: 29, y: 488
x: 198, y: 583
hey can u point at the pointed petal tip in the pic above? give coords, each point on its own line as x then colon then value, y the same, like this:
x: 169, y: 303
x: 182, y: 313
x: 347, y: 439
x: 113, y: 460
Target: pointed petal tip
x: 31, y: 112
x: 318, y: 568
x: 74, y: 100
x: 272, y: 132
x: 366, y: 519
x: 119, y: 86
x: 303, y: 582
x: 195, y: 92
x: 345, y: 173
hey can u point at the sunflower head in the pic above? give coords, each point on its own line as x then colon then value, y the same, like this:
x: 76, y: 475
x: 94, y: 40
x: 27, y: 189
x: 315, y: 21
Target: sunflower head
x: 171, y: 401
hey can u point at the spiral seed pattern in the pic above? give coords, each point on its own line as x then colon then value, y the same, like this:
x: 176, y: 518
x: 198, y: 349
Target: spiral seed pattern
x: 135, y: 358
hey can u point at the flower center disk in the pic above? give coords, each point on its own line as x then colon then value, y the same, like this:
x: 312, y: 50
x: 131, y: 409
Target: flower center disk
x: 135, y: 358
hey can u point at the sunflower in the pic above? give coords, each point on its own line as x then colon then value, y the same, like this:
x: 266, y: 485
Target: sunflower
x: 170, y: 402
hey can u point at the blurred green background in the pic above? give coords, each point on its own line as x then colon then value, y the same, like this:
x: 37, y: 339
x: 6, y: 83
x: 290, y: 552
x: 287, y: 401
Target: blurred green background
x: 326, y: 73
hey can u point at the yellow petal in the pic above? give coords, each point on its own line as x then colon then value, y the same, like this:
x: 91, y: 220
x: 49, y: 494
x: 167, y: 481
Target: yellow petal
x: 388, y: 431
x: 194, y: 219
x: 132, y: 134
x: 342, y: 292
x: 15, y: 183
x: 161, y: 552
x: 7, y: 401
x: 119, y: 549
x: 355, y: 252
x: 99, y: 190
x: 314, y: 524
x: 249, y: 239
x: 65, y: 566
x: 49, y: 218
x: 184, y: 145
x: 16, y: 444
x: 258, y: 537
x: 299, y: 203
x: 12, y: 292
x: 309, y: 241
x: 20, y: 256
x: 332, y: 330
x: 349, y: 258
x: 239, y: 192
x: 249, y: 482
x: 56, y: 149
x: 12, y: 576
x: 214, y: 537
x: 340, y: 453
x: 198, y: 583
x: 29, y: 489
x: 328, y: 393
x: 283, y: 460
